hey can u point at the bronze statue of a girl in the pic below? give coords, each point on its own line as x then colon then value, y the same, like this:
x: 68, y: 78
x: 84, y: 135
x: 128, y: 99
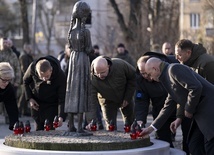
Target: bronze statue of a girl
x: 78, y: 95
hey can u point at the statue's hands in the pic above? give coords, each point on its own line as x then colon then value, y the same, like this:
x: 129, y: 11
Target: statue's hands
x: 60, y: 121
x: 146, y: 131
x: 175, y: 124
x: 33, y: 104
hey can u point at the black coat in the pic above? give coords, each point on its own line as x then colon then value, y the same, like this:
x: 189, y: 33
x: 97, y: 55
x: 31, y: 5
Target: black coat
x: 50, y: 93
x: 8, y: 96
x: 192, y: 92
x: 147, y: 92
x: 153, y: 92
x: 201, y: 62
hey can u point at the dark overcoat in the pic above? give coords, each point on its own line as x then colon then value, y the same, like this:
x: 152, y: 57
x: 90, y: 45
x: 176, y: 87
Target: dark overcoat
x: 47, y: 93
x: 191, y: 92
x: 8, y: 97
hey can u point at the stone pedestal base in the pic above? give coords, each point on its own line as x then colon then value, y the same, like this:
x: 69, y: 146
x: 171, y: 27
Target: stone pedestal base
x: 56, y: 140
x: 158, y: 148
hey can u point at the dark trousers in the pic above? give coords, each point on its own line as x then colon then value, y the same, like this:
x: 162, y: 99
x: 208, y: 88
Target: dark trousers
x: 164, y: 133
x: 209, y: 146
x: 110, y: 109
x: 48, y: 112
x: 198, y: 145
x: 99, y: 115
x: 185, y: 127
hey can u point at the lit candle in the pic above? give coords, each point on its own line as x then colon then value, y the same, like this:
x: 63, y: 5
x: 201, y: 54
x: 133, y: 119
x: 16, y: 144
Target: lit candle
x: 93, y: 126
x: 16, y: 128
x: 111, y: 126
x: 21, y: 128
x: 27, y: 126
x: 47, y: 125
x: 133, y: 135
x: 56, y: 122
x: 138, y: 130
x: 127, y: 127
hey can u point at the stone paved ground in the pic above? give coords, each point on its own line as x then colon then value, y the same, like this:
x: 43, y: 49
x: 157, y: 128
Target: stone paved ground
x: 4, y: 131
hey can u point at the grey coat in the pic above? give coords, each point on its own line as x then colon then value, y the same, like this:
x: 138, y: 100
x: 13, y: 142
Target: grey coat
x: 192, y: 93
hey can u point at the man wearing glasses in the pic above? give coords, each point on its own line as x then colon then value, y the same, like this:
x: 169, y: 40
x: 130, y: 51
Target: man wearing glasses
x: 7, y: 93
x: 149, y: 91
x: 113, y: 86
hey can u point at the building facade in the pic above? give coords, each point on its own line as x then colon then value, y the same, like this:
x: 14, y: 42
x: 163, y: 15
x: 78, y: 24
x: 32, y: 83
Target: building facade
x: 197, y: 22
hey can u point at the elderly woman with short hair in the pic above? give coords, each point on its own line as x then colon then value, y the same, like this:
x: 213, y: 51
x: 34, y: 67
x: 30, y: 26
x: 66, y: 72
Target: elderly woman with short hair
x: 7, y: 93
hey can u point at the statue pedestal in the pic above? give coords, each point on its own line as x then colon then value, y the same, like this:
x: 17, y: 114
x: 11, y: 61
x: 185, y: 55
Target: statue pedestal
x: 158, y: 148
x: 101, y: 143
x: 56, y: 140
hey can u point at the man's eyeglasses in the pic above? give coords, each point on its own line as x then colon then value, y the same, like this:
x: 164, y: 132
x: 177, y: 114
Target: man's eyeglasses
x: 6, y: 80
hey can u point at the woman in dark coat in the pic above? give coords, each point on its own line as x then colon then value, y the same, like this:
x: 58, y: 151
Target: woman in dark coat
x: 7, y: 93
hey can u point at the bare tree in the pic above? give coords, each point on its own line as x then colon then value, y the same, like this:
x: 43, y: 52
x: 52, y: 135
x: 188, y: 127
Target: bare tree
x: 48, y: 13
x: 24, y: 17
x: 160, y: 16
x: 209, y: 10
x: 165, y: 20
x: 7, y: 19
x: 46, y: 17
x: 209, y: 5
x: 133, y: 31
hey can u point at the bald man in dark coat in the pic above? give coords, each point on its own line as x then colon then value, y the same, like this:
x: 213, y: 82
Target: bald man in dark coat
x: 192, y: 93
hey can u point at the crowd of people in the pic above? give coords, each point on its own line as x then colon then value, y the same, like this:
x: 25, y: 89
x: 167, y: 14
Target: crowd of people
x: 177, y: 87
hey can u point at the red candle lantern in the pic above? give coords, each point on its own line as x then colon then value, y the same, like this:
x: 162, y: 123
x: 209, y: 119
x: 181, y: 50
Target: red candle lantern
x: 16, y: 128
x: 21, y: 128
x: 93, y: 126
x: 27, y: 126
x: 127, y: 128
x: 138, y: 131
x: 133, y: 135
x: 47, y: 125
x: 56, y: 122
x: 111, y: 126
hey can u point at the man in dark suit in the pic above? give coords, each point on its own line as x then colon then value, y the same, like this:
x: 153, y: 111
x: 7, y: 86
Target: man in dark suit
x: 151, y: 92
x: 192, y: 93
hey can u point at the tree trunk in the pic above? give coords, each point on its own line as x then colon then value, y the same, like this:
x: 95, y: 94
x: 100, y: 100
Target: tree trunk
x: 24, y: 16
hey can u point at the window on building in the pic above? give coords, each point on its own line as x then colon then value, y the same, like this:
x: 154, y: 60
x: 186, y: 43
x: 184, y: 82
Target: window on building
x: 194, y: 20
